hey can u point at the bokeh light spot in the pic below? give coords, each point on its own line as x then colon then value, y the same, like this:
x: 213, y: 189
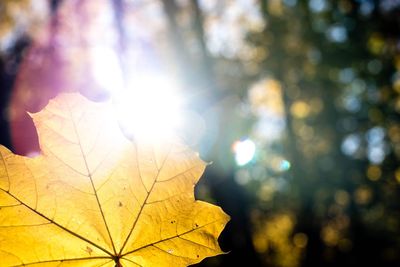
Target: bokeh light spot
x: 300, y: 240
x: 300, y: 109
x: 342, y: 197
x: 374, y: 173
x: 397, y: 175
x: 351, y: 144
x: 244, y: 151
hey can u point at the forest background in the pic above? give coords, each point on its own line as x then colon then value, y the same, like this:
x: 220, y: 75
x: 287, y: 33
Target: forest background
x: 296, y: 103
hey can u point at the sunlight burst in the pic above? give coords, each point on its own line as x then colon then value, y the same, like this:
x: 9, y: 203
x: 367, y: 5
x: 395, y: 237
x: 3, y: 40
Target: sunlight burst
x: 150, y: 108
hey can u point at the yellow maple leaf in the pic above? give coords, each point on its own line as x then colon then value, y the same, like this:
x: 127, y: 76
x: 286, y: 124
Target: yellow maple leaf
x: 94, y: 198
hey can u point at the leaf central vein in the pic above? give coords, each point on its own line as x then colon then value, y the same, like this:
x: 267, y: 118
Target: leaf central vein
x: 91, y: 181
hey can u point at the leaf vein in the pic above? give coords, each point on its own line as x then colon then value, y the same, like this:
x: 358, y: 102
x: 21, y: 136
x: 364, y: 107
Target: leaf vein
x: 144, y: 202
x: 91, y: 180
x: 56, y: 224
x: 62, y: 260
x: 172, y: 237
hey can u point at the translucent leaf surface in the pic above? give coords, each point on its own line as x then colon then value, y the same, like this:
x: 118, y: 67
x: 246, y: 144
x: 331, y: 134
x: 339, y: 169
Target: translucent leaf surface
x: 94, y: 198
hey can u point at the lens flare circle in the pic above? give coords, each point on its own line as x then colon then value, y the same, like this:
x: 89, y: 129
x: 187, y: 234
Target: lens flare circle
x: 244, y: 151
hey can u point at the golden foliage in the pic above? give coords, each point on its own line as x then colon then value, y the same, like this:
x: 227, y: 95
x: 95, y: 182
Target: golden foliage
x: 93, y: 198
x: 274, y: 239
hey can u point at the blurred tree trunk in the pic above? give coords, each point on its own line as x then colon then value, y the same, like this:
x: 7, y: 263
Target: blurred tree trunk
x: 177, y: 43
x: 206, y: 66
x: 306, y: 177
x: 237, y: 236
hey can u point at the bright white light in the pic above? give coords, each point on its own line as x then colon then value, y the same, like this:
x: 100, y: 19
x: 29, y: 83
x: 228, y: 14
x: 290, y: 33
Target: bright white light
x: 351, y: 144
x: 150, y: 108
x: 244, y: 151
x: 106, y: 68
x: 148, y: 105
